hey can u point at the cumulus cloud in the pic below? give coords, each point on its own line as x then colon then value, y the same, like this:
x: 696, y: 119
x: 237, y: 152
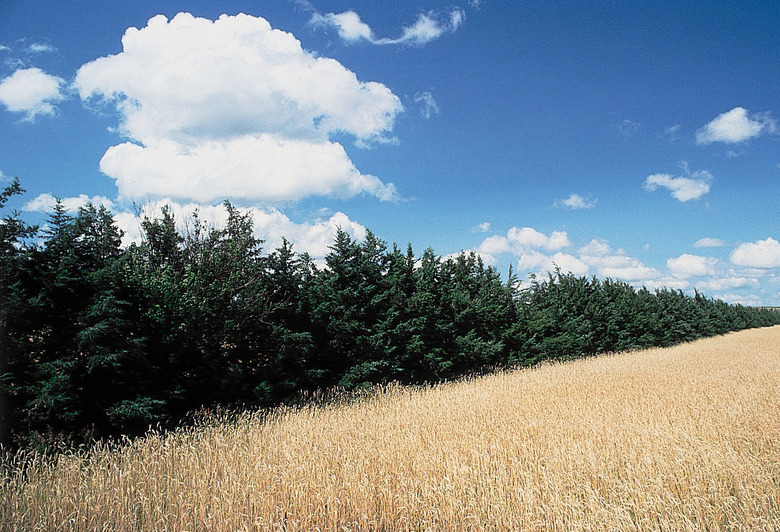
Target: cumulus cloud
x: 46, y: 202
x: 683, y: 188
x: 233, y: 108
x: 428, y: 27
x: 731, y: 283
x: 735, y: 126
x: 687, y: 265
x: 599, y: 255
x: 575, y: 201
x: 31, y: 91
x: 428, y: 104
x: 542, y: 264
x: 484, y: 227
x: 270, y: 225
x: 709, y: 243
x: 266, y: 167
x: 522, y: 239
x: 761, y: 254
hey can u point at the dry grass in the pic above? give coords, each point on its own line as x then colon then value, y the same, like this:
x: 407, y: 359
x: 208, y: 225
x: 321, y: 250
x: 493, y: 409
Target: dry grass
x: 686, y: 438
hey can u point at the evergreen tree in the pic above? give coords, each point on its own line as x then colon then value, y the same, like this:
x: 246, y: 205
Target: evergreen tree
x: 13, y: 233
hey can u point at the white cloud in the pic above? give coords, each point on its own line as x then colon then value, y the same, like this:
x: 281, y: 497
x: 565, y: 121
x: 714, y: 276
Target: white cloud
x: 664, y: 282
x: 31, y: 91
x: 735, y: 126
x: 266, y: 167
x: 348, y: 25
x: 628, y: 127
x: 709, y: 243
x: 484, y: 227
x: 219, y: 108
x: 687, y: 265
x: 761, y: 254
x: 270, y: 225
x: 429, y: 106
x: 749, y: 300
x: 45, y: 202
x: 730, y: 283
x: 542, y: 264
x: 684, y: 189
x: 428, y: 27
x: 38, y: 48
x: 522, y: 242
x: 614, y: 264
x: 575, y: 201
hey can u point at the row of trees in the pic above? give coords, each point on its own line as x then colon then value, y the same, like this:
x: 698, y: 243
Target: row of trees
x: 99, y: 340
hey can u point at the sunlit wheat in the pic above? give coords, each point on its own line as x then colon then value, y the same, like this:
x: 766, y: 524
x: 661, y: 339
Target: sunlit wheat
x: 686, y: 438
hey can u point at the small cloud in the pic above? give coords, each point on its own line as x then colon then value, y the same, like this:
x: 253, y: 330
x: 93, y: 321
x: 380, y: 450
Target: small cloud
x: 38, y: 48
x: 709, y: 243
x: 348, y: 24
x: 31, y: 91
x: 672, y: 130
x: 683, y: 188
x: 484, y: 227
x: 428, y: 104
x: 428, y: 27
x: 761, y: 254
x: 575, y: 201
x: 736, y: 126
x: 628, y: 127
x: 476, y: 4
x: 687, y: 265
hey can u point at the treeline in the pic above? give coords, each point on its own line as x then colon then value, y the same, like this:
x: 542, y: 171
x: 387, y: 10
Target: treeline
x: 99, y: 340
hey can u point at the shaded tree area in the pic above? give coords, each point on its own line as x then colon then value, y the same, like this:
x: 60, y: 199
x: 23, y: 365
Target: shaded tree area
x: 97, y: 340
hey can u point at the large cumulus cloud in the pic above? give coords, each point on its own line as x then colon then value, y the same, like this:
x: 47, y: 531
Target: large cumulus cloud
x: 234, y: 108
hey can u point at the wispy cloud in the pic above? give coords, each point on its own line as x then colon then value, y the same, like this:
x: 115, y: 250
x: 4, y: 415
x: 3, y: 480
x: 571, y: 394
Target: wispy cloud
x: 40, y: 47
x: 428, y: 105
x: 709, y: 243
x: 736, y: 126
x: 484, y: 227
x: 428, y: 27
x: 628, y: 127
x: 575, y: 201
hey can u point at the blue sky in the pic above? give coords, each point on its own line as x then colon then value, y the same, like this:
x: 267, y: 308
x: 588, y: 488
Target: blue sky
x: 638, y: 141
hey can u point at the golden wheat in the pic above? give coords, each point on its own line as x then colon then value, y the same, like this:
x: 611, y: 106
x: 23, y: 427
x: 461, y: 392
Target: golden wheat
x: 686, y: 438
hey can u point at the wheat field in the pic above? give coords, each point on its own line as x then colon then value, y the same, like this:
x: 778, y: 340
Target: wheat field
x: 685, y: 438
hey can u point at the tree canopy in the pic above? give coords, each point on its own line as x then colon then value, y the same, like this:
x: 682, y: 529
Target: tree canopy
x: 97, y: 340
